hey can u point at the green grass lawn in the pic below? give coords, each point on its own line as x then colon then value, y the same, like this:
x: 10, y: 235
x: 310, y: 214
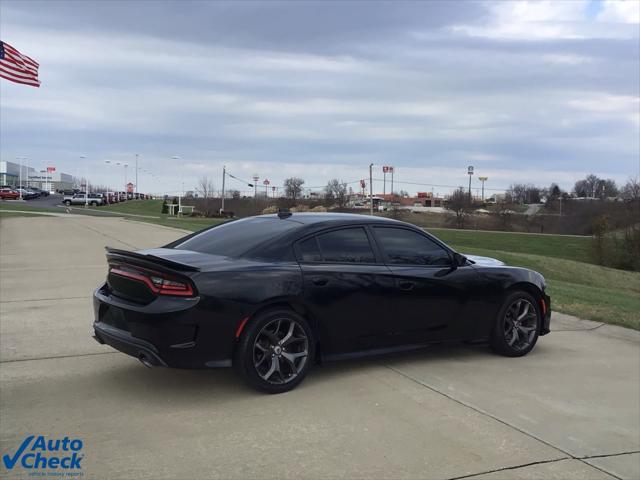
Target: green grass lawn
x: 136, y: 207
x: 558, y: 246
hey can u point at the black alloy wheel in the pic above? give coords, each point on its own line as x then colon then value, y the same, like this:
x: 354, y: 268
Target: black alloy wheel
x: 518, y: 325
x: 275, y: 351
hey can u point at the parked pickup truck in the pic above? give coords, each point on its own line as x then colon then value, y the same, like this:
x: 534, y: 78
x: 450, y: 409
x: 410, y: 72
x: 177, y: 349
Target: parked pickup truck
x: 92, y: 199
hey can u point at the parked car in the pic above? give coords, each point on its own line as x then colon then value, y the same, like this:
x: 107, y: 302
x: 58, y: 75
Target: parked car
x: 39, y: 191
x: 9, y: 194
x: 272, y: 294
x: 111, y: 197
x: 79, y: 199
x: 27, y: 194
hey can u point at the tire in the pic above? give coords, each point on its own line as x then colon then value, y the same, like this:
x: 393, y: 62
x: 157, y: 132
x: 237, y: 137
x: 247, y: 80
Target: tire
x: 264, y: 361
x: 516, y: 331
x: 94, y: 204
x: 67, y: 203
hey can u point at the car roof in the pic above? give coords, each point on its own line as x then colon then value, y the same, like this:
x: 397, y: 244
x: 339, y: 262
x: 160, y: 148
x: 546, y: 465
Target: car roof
x: 318, y: 218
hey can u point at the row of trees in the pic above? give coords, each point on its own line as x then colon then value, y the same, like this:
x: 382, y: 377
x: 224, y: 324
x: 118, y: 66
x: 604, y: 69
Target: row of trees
x: 591, y: 186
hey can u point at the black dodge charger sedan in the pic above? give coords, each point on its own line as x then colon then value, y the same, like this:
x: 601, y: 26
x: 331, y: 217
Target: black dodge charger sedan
x: 273, y: 294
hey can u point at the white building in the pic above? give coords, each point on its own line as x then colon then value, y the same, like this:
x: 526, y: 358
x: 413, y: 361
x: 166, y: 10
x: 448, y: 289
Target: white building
x: 10, y: 174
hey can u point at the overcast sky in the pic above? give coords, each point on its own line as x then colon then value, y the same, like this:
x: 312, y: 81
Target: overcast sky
x: 524, y: 91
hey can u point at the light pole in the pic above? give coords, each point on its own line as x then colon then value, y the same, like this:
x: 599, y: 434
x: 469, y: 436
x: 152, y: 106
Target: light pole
x: 224, y: 176
x: 86, y: 184
x: 20, y: 159
x: 470, y: 172
x: 136, y: 185
x: 178, y: 157
x: 483, y: 179
x: 255, y: 186
x: 371, y: 188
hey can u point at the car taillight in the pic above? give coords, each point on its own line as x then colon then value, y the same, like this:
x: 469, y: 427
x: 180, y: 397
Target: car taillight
x: 158, y: 283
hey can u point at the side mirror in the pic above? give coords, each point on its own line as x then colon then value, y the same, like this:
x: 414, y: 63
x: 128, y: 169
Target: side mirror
x: 459, y: 260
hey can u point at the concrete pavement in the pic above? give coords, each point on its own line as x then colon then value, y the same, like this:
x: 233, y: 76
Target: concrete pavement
x: 571, y: 409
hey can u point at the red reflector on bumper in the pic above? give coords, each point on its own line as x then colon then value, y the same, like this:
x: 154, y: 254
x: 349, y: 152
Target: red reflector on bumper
x: 243, y: 322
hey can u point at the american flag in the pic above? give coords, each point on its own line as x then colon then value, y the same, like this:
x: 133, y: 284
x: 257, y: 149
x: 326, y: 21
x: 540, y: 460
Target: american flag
x: 17, y: 67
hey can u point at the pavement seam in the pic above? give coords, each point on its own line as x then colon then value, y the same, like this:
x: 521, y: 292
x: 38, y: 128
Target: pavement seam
x: 44, y: 299
x: 487, y: 414
x: 57, y: 356
x: 105, y: 235
x: 541, y: 462
x: 580, y: 329
x: 608, y: 455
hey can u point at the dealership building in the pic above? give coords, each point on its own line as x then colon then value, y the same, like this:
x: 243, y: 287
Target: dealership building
x: 46, y: 179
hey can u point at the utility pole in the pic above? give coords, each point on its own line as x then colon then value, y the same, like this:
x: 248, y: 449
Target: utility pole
x: 224, y: 176
x: 392, y: 171
x: 136, y: 189
x: 560, y: 198
x: 255, y: 186
x: 20, y: 176
x: 483, y: 179
x: 371, y: 188
x: 384, y: 180
x: 86, y: 185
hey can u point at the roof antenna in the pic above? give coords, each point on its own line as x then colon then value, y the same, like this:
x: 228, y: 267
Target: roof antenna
x: 284, y: 213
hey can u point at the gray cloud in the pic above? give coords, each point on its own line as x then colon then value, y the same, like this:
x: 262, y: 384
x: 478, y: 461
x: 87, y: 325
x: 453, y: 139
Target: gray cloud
x: 273, y: 86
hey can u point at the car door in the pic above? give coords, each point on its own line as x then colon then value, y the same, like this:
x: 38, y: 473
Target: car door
x: 431, y: 293
x: 347, y: 286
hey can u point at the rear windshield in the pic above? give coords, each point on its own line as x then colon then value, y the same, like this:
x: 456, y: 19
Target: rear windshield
x: 234, y: 239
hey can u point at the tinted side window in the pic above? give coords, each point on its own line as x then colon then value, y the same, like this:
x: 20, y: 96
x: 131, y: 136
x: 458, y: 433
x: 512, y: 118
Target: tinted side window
x: 308, y: 250
x: 404, y: 247
x: 346, y: 245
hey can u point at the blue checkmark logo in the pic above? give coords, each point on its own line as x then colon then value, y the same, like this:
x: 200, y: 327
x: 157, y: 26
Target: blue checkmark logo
x: 10, y: 462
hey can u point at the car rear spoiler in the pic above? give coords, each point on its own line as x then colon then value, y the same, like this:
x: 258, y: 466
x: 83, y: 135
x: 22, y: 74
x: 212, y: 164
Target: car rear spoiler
x: 114, y: 253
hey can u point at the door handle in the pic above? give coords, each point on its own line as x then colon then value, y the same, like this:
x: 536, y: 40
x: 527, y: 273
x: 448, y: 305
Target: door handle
x: 319, y: 281
x: 405, y: 285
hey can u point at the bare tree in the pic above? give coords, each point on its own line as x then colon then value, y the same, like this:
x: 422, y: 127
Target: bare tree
x: 336, y: 191
x: 594, y: 187
x: 205, y: 186
x: 293, y: 187
x: 631, y: 189
x: 524, y: 193
x: 459, y: 203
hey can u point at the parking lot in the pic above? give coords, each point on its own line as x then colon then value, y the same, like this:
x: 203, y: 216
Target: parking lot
x: 570, y: 409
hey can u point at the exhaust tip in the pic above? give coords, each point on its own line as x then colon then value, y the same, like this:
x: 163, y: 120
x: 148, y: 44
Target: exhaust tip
x: 145, y: 361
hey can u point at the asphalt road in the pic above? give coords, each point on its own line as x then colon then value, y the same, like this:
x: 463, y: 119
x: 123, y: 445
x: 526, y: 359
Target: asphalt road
x: 53, y: 203
x: 571, y: 409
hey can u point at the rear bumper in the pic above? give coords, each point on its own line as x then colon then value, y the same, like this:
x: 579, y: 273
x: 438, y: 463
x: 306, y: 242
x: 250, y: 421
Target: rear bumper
x: 546, y: 323
x: 171, y: 332
x: 127, y: 343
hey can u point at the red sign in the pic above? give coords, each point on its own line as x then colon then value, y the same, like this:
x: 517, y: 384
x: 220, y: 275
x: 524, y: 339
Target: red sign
x: 273, y: 189
x: 266, y: 181
x: 387, y: 169
x: 363, y: 184
x: 51, y: 169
